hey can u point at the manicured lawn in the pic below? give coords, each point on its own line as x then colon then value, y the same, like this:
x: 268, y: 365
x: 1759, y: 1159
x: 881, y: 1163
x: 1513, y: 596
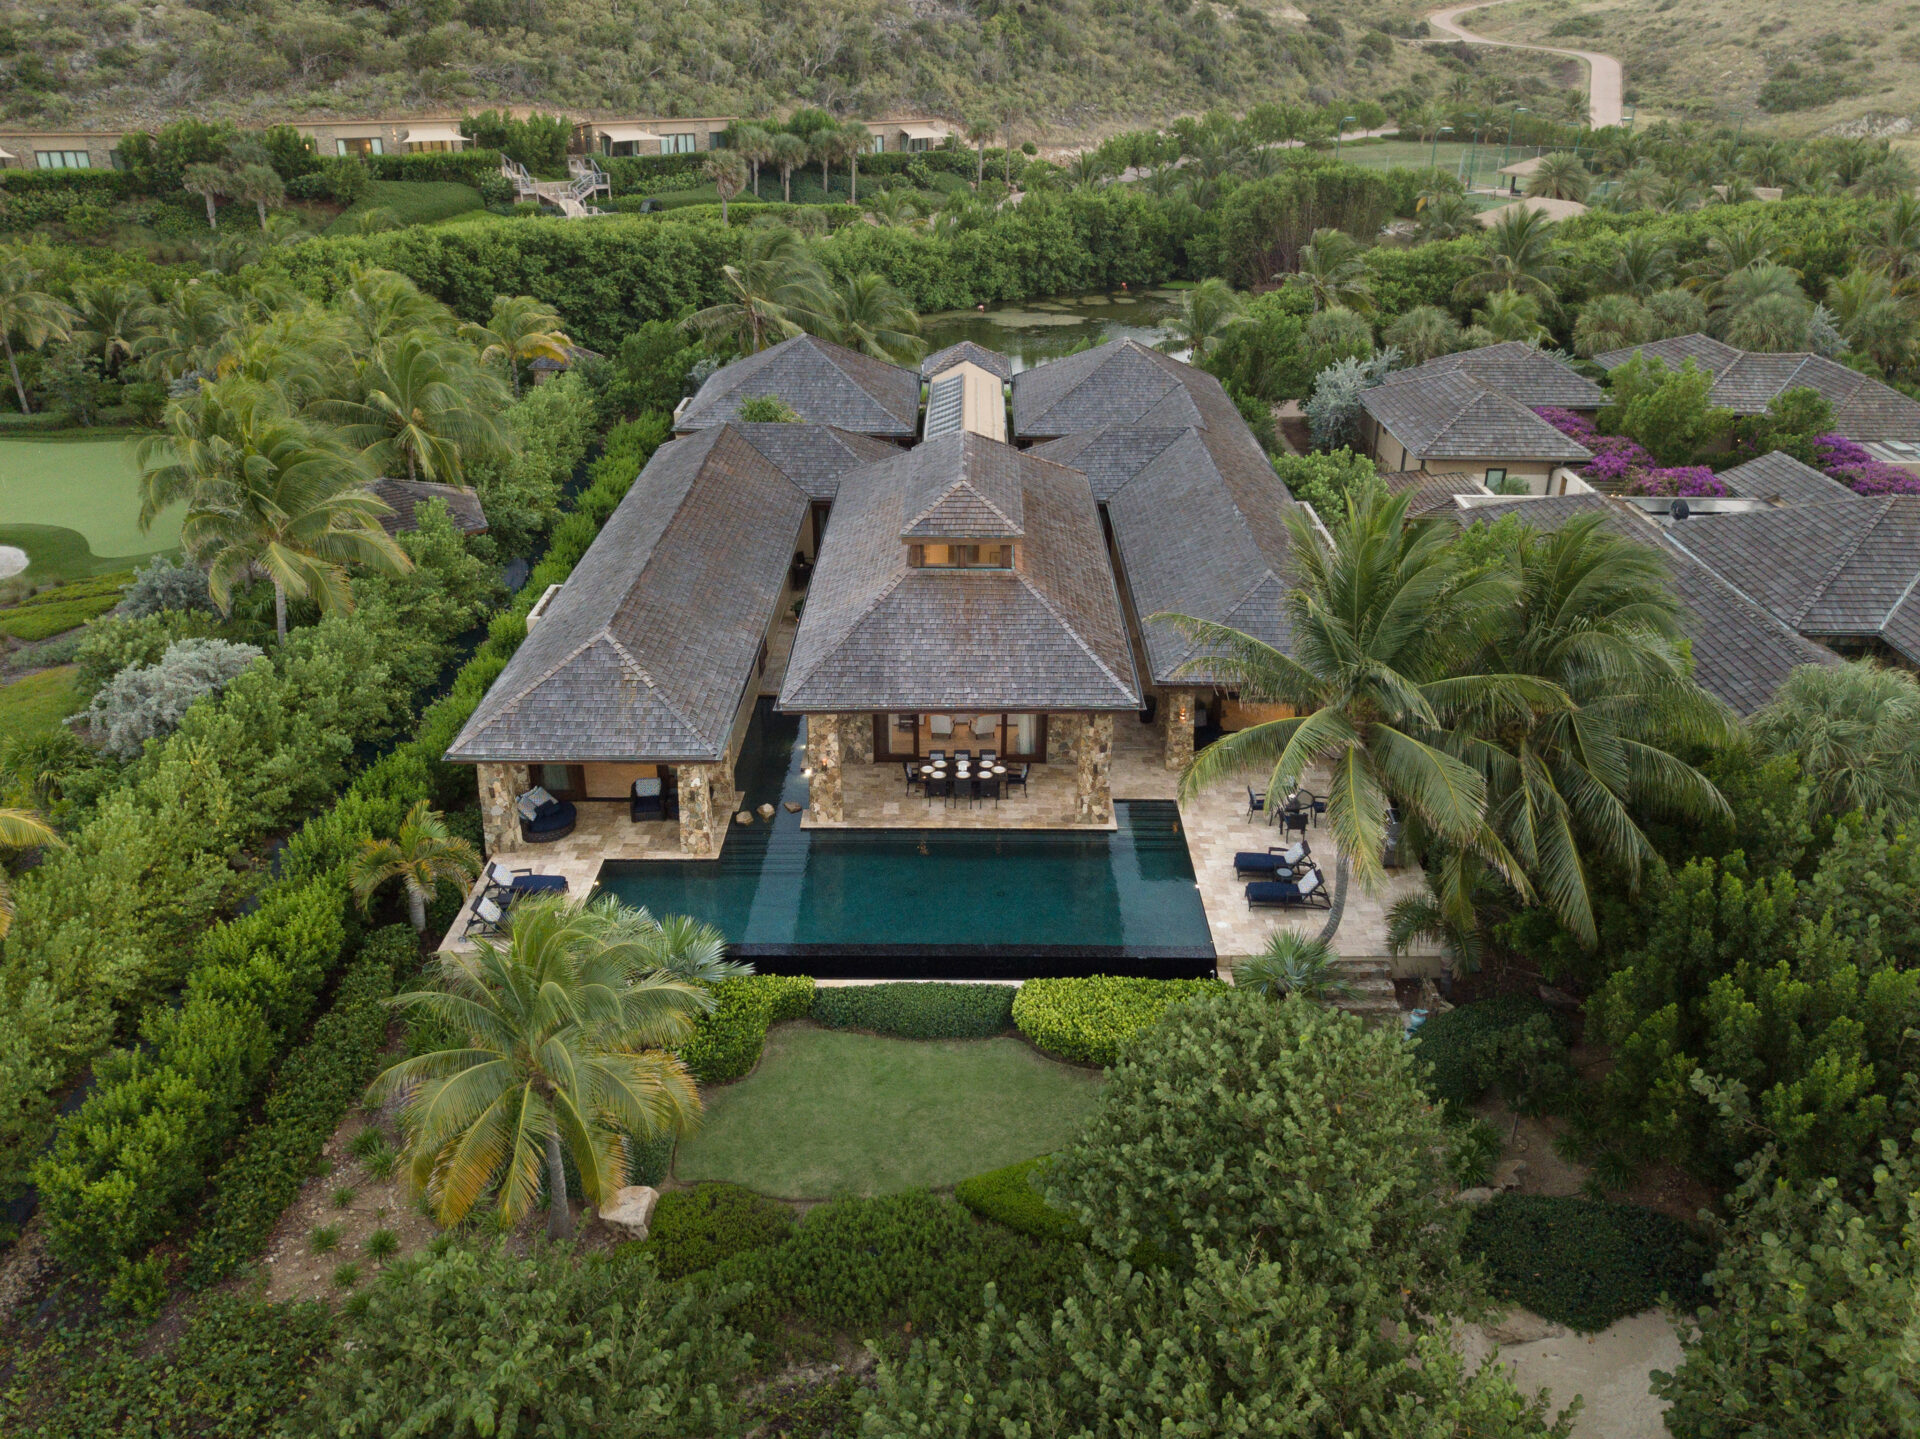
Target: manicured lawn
x: 73, y: 504
x: 829, y: 1112
x: 413, y: 202
x: 39, y: 702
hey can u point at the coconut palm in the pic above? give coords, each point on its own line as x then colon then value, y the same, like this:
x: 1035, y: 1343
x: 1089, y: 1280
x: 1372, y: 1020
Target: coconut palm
x: 381, y: 305
x: 520, y: 330
x: 1560, y: 176
x: 870, y: 314
x: 182, y: 327
x: 1892, y: 241
x: 1520, y: 254
x: 1372, y: 680
x: 422, y: 405
x: 775, y: 290
x: 1445, y: 215
x: 1512, y: 315
x: 210, y: 183
x: 29, y: 316
x: 110, y: 320
x: 1423, y: 333
x: 560, y: 1047
x: 1611, y: 322
x: 421, y: 855
x: 1332, y: 271
x: 1733, y: 248
x: 1642, y: 265
x: 19, y: 829
x: 1855, y: 729
x: 788, y: 152
x: 1293, y: 964
x: 979, y: 131
x: 754, y: 145
x: 1205, y: 313
x: 727, y: 173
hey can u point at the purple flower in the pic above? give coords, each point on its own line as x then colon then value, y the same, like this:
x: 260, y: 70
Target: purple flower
x: 1579, y: 427
x: 1691, y: 482
x: 1837, y: 451
x: 1848, y: 462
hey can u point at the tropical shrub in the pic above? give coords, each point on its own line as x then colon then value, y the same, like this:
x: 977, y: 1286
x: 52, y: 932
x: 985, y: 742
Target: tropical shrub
x: 1011, y: 1196
x: 727, y: 1039
x: 165, y: 584
x: 1511, y: 1040
x: 147, y: 701
x: 118, y: 641
x: 1092, y: 1019
x: 695, y: 1229
x: 917, y: 1011
x: 1326, y: 480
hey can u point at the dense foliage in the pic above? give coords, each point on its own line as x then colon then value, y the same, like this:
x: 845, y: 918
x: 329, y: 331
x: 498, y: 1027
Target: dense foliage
x: 1511, y: 1040
x: 727, y: 1039
x: 1012, y: 1196
x: 1091, y: 1020
x: 917, y: 1011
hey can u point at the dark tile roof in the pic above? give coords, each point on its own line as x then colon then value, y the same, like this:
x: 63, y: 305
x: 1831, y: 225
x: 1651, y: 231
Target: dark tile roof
x: 1432, y: 493
x: 1453, y: 416
x: 1843, y: 570
x: 645, y: 651
x: 1740, y: 651
x: 878, y: 635
x: 1109, y: 457
x: 403, y: 497
x: 824, y: 383
x: 977, y: 495
x: 546, y: 364
x: 1781, y: 479
x: 1519, y: 371
x: 814, y: 457
x: 966, y: 352
x: 1864, y: 409
x: 1123, y: 383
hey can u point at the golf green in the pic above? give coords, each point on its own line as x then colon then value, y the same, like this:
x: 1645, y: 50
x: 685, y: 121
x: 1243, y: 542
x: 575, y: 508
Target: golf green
x: 87, y: 486
x: 830, y: 1112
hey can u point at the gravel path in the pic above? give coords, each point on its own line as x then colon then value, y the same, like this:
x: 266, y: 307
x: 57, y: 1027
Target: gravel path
x: 1605, y: 81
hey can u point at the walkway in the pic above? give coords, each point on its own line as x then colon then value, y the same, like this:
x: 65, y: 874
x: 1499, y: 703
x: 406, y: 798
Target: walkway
x: 1604, y: 77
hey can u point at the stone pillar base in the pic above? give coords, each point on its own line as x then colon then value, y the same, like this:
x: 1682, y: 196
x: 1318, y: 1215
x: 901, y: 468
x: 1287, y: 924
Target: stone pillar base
x: 500, y: 786
x: 1176, y: 722
x: 825, y: 798
x: 700, y: 785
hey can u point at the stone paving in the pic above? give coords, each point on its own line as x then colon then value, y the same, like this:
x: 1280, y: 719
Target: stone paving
x: 875, y: 796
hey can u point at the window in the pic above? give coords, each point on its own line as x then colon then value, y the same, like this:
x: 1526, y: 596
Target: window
x: 678, y: 144
x: 362, y: 146
x: 877, y: 145
x: 960, y: 557
x: 562, y: 781
x: 1495, y: 479
x: 716, y: 139
x: 63, y: 159
x: 919, y: 146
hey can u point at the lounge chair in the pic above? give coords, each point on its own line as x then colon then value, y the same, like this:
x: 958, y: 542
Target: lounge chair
x: 1310, y: 892
x: 504, y: 885
x: 543, y: 818
x: 486, y: 918
x: 1276, y: 863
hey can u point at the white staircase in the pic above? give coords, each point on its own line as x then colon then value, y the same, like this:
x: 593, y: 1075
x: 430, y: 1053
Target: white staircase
x: 569, y: 197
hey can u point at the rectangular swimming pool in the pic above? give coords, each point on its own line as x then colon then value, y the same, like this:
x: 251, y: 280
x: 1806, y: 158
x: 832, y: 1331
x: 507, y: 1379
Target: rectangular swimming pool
x: 973, y: 904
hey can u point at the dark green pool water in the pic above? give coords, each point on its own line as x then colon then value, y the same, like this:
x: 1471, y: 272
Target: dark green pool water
x: 926, y: 903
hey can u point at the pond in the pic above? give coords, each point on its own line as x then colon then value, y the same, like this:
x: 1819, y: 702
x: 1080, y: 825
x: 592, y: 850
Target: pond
x: 1035, y: 331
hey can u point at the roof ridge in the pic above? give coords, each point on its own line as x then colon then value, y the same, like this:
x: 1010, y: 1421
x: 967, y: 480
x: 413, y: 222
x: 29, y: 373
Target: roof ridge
x: 658, y: 689
x: 1067, y: 625
x: 1846, y: 558
x: 795, y: 681
x: 1141, y: 468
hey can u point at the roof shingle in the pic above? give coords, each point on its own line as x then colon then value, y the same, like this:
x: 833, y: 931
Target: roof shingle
x: 1519, y: 371
x: 1122, y: 383
x: 966, y: 353
x: 1782, y: 480
x: 404, y: 497
x: 1450, y: 415
x: 824, y: 383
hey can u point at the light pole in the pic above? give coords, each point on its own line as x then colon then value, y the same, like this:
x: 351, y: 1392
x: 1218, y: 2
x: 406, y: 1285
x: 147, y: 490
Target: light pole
x: 1433, y: 150
x: 1473, y: 151
x: 1512, y: 115
x: 1339, y: 132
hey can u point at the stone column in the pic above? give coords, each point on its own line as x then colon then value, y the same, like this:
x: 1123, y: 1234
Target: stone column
x: 697, y: 783
x: 1093, y: 796
x: 824, y: 798
x: 1176, y: 718
x: 500, y: 786
x: 856, y: 739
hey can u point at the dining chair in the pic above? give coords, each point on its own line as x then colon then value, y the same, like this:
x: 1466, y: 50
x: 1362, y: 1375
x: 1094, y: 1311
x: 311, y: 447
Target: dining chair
x: 963, y: 754
x: 989, y: 756
x: 937, y: 787
x: 988, y: 787
x: 938, y: 756
x: 1294, y: 821
x: 1017, y: 777
x: 906, y: 768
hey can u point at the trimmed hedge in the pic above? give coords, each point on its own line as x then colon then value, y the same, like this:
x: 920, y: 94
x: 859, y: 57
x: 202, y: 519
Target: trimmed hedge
x: 467, y: 167
x: 917, y: 1011
x: 1585, y: 1263
x: 727, y: 1039
x: 51, y: 617
x: 1008, y: 1196
x: 1090, y: 1019
x: 695, y: 1229
x: 310, y: 1094
x: 1469, y: 1048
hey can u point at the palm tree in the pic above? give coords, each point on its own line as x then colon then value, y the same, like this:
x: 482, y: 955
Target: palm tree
x: 856, y: 140
x: 1371, y: 678
x: 1511, y: 315
x: 775, y: 290
x: 420, y: 406
x: 19, y: 829
x: 1332, y: 271
x: 1087, y: 169
x: 1640, y: 188
x: 1206, y: 312
x: 29, y: 315
x: 1560, y: 176
x: 421, y: 855
x: 183, y: 327
x: 1875, y: 321
x: 1423, y: 333
x: 979, y: 131
x: 727, y: 172
x: 259, y: 186
x: 1445, y: 215
x: 871, y: 315
x: 1892, y: 241
x: 1642, y: 266
x: 381, y: 305
x: 754, y: 145
x: 110, y: 319
x: 562, y: 1049
x: 1763, y: 308
x: 1735, y: 247
x: 520, y: 330
x: 1520, y: 255
x: 892, y: 208
x: 265, y: 494
x: 1611, y: 322
x: 828, y: 146
x: 678, y: 947
x: 789, y: 152
x: 1855, y: 728
x: 1293, y: 964
x: 210, y: 183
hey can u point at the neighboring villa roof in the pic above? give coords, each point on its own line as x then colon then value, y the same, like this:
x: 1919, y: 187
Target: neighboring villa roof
x: 1517, y: 370
x: 966, y: 352
x: 546, y: 364
x: 814, y: 457
x: 824, y: 383
x: 404, y: 497
x: 1523, y: 168
x: 1432, y: 494
x: 1122, y: 383
x: 1782, y: 480
x: 1544, y: 205
x: 1741, y: 652
x: 879, y: 635
x: 1225, y: 559
x: 1744, y: 381
x: 1451, y: 415
x: 1845, y: 570
x: 645, y: 651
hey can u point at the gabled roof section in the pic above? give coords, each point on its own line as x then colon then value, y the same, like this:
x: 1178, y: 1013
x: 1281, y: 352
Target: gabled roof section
x: 966, y: 353
x: 1706, y: 353
x: 961, y: 487
x: 1848, y: 569
x: 1109, y: 457
x: 1123, y: 383
x: 814, y: 457
x: 1519, y: 371
x: 824, y: 383
x: 1780, y: 479
x: 1449, y: 415
x: 1741, y: 652
x: 1431, y: 493
x: 879, y: 635
x: 404, y: 497
x: 645, y: 651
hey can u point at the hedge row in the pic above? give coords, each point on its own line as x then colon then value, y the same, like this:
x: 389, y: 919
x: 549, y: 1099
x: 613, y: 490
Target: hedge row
x: 1010, y: 1196
x: 917, y: 1011
x: 1091, y: 1019
x: 728, y: 1038
x: 313, y: 1090
x: 468, y: 167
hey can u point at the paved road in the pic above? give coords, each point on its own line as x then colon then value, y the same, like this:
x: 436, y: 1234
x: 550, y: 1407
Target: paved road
x: 1604, y: 81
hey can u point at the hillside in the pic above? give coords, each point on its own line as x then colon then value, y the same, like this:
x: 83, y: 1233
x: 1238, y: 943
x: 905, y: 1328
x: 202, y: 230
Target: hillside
x: 1062, y: 65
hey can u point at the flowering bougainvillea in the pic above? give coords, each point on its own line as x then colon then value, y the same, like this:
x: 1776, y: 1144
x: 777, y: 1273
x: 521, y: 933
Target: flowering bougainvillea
x: 1849, y: 463
x: 1691, y: 482
x: 1617, y: 460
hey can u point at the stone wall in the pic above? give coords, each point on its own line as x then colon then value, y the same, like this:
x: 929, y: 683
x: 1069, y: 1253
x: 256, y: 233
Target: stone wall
x: 856, y: 739
x: 500, y: 785
x: 703, y: 789
x: 825, y: 801
x: 1093, y: 794
x: 1176, y: 723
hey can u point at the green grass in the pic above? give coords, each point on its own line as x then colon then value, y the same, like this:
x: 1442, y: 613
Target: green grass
x: 413, y: 202
x: 40, y: 701
x: 832, y: 1112
x: 43, y: 622
x: 87, y: 486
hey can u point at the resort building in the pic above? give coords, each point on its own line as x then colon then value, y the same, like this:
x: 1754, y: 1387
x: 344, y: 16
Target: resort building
x: 645, y: 135
x: 1455, y: 415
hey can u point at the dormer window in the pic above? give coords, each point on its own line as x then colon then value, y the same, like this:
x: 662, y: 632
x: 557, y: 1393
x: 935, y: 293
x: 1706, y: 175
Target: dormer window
x: 960, y: 556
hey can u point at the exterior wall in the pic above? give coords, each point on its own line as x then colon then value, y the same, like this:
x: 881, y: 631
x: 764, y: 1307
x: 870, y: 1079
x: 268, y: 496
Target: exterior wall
x: 699, y: 802
x: 1093, y: 775
x: 1235, y: 715
x: 97, y: 145
x: 500, y: 786
x: 1176, y: 727
x: 825, y: 799
x: 1537, y: 473
x: 615, y: 781
x: 856, y: 739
